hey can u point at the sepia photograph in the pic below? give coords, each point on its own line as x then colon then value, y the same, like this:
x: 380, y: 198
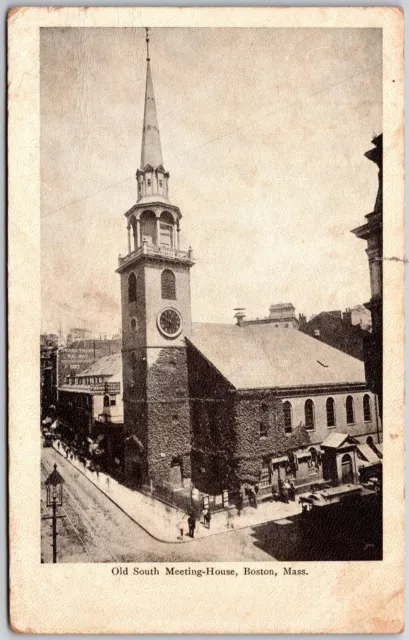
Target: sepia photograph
x: 206, y: 319
x: 211, y: 345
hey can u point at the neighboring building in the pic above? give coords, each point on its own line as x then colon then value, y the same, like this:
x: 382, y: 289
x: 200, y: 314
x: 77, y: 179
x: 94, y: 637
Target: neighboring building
x: 281, y: 316
x: 80, y: 355
x: 77, y: 334
x: 358, y: 315
x: 331, y: 328
x: 90, y: 406
x: 56, y: 364
x: 49, y: 340
x: 218, y: 406
x: 48, y: 373
x: 371, y: 231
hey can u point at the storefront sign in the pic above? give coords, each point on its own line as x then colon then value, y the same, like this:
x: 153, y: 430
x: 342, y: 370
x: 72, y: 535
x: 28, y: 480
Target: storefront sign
x: 105, y: 387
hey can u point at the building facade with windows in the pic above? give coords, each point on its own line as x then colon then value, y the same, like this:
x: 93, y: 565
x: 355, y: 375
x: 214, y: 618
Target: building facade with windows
x: 372, y: 233
x: 352, y: 411
x: 270, y: 399
x: 90, y: 409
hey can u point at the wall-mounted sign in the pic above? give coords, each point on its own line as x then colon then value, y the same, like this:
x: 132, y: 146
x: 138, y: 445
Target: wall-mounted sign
x: 105, y: 387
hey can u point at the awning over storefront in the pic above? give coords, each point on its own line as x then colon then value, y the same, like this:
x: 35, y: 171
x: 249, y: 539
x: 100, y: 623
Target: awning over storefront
x: 303, y: 454
x: 280, y: 459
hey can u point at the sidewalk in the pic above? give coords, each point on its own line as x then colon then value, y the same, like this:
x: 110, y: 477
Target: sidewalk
x: 162, y: 521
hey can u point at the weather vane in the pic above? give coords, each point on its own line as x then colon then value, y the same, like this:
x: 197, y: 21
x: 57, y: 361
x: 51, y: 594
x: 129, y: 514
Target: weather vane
x: 147, y: 43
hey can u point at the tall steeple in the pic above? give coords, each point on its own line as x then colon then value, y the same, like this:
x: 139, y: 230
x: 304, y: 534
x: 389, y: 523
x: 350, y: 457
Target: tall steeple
x: 151, y: 147
x: 156, y: 319
x: 151, y: 177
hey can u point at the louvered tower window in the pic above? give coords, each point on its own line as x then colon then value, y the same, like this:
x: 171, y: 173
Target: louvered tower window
x: 132, y: 288
x: 168, y: 282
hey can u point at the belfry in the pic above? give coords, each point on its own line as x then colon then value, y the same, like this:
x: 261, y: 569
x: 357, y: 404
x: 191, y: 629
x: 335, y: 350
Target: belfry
x: 156, y: 319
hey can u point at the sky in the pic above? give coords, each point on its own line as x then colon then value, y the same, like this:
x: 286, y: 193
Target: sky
x: 263, y: 132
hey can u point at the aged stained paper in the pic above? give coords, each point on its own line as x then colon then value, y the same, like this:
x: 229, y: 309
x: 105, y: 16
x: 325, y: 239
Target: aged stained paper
x: 260, y: 138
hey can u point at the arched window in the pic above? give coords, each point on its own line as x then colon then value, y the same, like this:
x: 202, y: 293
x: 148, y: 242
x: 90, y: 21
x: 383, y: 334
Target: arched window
x: 330, y: 412
x: 347, y: 469
x: 350, y: 410
x: 148, y: 227
x: 106, y: 401
x: 132, y: 225
x: 367, y: 408
x: 288, y: 416
x: 168, y: 282
x: 309, y: 415
x: 166, y: 230
x: 132, y: 288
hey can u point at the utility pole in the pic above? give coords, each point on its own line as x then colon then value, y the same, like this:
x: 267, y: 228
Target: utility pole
x: 54, y: 498
x: 54, y: 531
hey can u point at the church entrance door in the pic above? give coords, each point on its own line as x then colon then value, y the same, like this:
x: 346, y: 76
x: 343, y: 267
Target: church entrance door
x: 347, y: 471
x: 175, y: 475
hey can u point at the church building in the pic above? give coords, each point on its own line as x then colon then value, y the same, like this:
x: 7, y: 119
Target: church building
x: 208, y: 405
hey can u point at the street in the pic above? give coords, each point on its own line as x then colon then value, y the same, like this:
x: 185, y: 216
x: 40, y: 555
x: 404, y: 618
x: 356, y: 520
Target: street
x: 96, y: 530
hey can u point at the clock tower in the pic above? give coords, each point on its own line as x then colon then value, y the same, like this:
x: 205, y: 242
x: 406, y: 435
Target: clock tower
x: 156, y: 318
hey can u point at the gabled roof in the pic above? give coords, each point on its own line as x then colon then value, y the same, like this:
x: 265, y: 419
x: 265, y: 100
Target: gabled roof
x: 106, y: 366
x: 336, y: 440
x: 368, y: 453
x: 261, y: 356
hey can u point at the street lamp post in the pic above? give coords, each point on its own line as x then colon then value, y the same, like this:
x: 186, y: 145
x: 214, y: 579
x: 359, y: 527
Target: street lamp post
x: 54, y: 485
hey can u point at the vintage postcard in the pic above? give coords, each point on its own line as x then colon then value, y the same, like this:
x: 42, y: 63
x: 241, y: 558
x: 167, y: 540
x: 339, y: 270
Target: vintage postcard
x: 206, y: 325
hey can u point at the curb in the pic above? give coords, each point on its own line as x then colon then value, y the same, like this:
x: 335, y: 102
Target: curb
x: 121, y: 508
x: 186, y: 540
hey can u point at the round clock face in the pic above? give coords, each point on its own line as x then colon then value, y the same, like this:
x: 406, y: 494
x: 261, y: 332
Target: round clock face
x: 170, y: 323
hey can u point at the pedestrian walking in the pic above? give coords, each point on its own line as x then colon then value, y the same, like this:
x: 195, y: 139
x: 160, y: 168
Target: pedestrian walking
x: 181, y: 528
x: 192, y: 524
x: 280, y: 488
x: 286, y: 488
x: 240, y: 503
x: 207, y: 519
x: 291, y: 491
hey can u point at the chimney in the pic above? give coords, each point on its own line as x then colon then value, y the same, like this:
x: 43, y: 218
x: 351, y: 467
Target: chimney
x: 239, y: 315
x: 302, y: 319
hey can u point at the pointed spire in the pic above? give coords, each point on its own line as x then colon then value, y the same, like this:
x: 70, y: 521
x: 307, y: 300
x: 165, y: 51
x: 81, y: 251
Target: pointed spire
x: 151, y: 147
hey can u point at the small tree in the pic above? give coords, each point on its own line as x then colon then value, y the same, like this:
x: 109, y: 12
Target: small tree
x: 299, y: 438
